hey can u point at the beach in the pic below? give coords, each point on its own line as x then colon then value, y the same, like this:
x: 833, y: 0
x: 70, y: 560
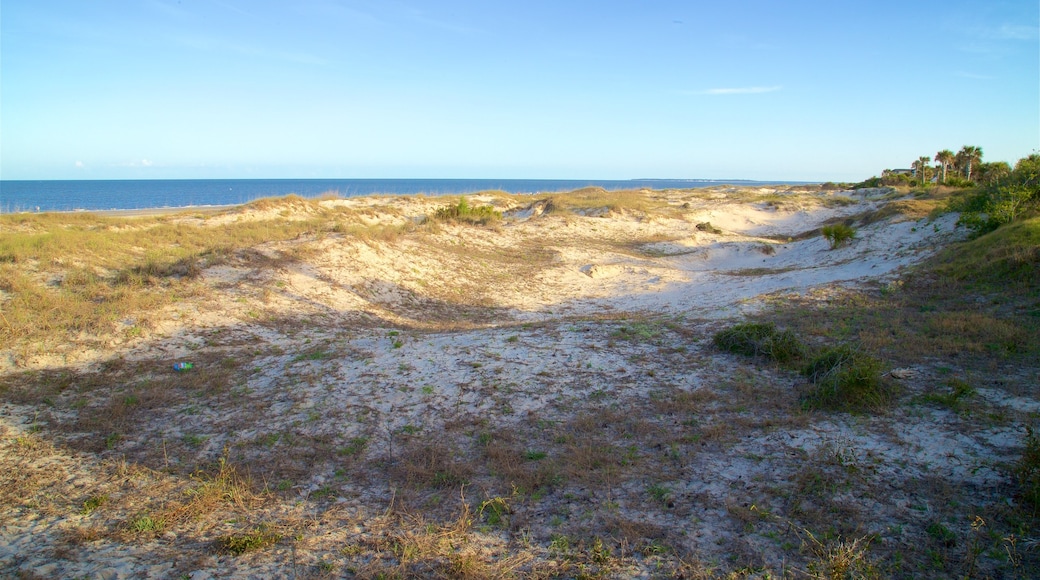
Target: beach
x: 535, y: 396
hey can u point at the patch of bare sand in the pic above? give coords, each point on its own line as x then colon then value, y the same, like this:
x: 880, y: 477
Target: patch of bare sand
x: 557, y: 363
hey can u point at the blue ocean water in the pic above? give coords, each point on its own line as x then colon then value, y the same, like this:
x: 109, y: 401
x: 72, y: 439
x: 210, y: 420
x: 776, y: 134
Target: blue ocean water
x: 19, y: 196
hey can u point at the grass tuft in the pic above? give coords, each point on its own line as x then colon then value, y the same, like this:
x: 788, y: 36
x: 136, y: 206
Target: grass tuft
x: 845, y: 379
x: 238, y: 544
x: 761, y: 339
x: 1027, y: 472
x: 462, y: 212
x: 838, y: 234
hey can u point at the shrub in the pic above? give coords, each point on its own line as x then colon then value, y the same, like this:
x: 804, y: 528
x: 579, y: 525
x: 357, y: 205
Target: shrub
x: 845, y: 379
x: 1004, y: 199
x: 838, y: 234
x: 760, y: 339
x: 462, y: 212
x: 707, y: 227
x: 1028, y: 472
x: 239, y: 544
x: 871, y: 183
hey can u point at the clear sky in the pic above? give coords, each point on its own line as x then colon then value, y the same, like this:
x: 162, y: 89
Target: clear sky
x: 754, y: 89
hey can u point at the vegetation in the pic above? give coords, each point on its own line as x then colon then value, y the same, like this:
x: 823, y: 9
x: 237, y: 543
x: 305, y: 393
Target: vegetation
x: 595, y: 474
x: 1028, y: 472
x: 760, y: 339
x: 838, y: 234
x: 463, y: 212
x: 1006, y: 198
x: 845, y: 379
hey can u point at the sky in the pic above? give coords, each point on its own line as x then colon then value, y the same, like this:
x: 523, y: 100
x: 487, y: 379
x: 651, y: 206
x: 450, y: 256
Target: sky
x: 735, y: 89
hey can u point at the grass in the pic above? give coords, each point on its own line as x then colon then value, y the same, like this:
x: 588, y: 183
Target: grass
x: 760, y: 339
x: 599, y: 472
x: 846, y: 379
x: 251, y: 541
x: 122, y: 267
x: 838, y: 234
x: 462, y: 212
x: 1027, y: 472
x: 1010, y: 253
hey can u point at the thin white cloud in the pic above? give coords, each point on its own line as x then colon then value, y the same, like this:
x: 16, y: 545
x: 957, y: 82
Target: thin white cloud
x: 1017, y: 32
x: 739, y: 91
x: 975, y: 76
x: 213, y: 44
x: 141, y: 163
x: 79, y: 164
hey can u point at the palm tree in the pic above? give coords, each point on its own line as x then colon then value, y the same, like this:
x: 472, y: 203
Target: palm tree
x: 967, y: 156
x: 919, y: 168
x: 945, y: 158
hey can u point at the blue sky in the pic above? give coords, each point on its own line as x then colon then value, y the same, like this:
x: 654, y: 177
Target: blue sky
x: 754, y: 89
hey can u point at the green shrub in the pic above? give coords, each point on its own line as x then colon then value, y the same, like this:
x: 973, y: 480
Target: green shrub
x: 845, y: 379
x: 838, y: 234
x: 239, y: 544
x: 1028, y: 472
x: 868, y: 183
x: 463, y: 212
x: 707, y: 227
x: 760, y: 339
x: 1005, y: 198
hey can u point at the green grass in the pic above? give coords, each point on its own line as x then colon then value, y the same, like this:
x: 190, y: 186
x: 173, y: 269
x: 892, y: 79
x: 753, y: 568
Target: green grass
x: 838, y: 234
x: 1008, y: 254
x: 955, y: 398
x: 238, y: 544
x: 1027, y: 472
x: 760, y: 339
x: 845, y: 379
x: 462, y: 212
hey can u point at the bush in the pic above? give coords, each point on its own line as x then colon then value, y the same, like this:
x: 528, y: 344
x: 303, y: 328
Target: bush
x: 871, y: 183
x: 838, y: 234
x: 844, y: 379
x: 1004, y: 199
x: 1027, y: 472
x: 760, y: 339
x: 462, y: 212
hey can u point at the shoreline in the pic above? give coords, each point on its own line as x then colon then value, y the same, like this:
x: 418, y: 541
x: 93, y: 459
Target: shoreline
x: 20, y: 197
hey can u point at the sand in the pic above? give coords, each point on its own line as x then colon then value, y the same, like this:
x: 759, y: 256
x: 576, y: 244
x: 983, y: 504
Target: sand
x: 522, y: 333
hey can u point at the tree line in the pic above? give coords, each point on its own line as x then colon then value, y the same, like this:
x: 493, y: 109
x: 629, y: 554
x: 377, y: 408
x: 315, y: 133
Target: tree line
x: 959, y: 169
x: 995, y: 193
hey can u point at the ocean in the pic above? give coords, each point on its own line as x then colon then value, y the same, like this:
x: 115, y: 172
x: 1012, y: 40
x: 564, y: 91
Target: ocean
x: 30, y: 196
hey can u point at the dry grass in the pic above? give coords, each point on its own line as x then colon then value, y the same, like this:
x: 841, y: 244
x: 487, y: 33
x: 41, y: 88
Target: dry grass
x: 602, y: 445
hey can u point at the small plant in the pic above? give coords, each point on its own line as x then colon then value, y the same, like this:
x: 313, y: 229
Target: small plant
x: 838, y: 234
x: 845, y: 379
x: 354, y: 447
x: 941, y: 533
x: 239, y: 544
x: 1027, y: 471
x: 495, y: 511
x: 146, y: 524
x: 659, y: 493
x: 463, y: 212
x: 953, y: 400
x: 760, y: 339
x: 535, y: 455
x: 637, y: 331
x: 93, y: 503
x: 707, y: 227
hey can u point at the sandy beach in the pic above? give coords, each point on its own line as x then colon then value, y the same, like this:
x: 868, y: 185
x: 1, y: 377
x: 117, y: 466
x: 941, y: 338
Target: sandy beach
x: 536, y: 397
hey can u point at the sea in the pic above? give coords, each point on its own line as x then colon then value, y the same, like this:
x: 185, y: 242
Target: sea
x: 99, y: 195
